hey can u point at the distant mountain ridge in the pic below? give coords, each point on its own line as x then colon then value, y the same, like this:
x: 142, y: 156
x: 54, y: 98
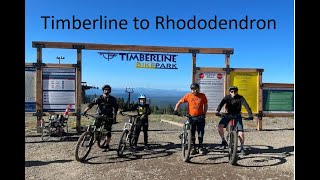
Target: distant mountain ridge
x: 159, y: 97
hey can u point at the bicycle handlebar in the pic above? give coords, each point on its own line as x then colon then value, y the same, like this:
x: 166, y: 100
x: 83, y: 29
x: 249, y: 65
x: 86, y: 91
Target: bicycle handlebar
x: 130, y: 115
x: 96, y: 116
x: 232, y: 116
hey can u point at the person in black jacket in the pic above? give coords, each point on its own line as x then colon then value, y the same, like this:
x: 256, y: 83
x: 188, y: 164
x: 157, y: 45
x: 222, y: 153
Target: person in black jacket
x: 107, y: 105
x: 233, y: 103
x: 144, y: 110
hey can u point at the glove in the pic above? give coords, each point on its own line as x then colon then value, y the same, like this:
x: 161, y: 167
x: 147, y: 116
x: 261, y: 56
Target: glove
x: 83, y: 113
x: 250, y: 118
x: 217, y: 113
x: 175, y: 113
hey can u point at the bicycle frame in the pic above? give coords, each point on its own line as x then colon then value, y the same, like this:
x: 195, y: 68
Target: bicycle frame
x: 232, y: 137
x: 89, y: 137
x: 127, y: 135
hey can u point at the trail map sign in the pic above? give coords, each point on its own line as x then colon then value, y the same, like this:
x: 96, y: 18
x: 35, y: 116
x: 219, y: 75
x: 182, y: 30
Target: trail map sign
x: 278, y: 100
x: 212, y: 84
x: 30, y: 89
x: 58, y: 89
x: 248, y: 84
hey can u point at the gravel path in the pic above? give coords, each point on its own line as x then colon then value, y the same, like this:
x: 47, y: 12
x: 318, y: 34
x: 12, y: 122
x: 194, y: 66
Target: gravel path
x: 271, y: 156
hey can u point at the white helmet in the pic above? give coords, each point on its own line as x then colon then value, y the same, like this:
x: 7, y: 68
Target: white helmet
x: 142, y: 96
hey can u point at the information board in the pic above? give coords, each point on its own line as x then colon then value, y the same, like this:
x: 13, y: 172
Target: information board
x: 278, y: 100
x: 212, y: 85
x: 248, y: 85
x: 59, y: 86
x: 30, y: 89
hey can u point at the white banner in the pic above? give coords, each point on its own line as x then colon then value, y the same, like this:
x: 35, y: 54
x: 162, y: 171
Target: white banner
x: 212, y: 85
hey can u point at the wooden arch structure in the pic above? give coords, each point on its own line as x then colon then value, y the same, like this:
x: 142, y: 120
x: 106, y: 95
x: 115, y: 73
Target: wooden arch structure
x: 79, y: 47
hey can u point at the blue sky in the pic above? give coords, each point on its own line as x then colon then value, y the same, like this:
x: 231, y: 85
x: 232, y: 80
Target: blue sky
x: 269, y: 49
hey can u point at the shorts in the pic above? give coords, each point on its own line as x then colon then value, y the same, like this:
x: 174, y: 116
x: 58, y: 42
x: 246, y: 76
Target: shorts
x: 226, y: 120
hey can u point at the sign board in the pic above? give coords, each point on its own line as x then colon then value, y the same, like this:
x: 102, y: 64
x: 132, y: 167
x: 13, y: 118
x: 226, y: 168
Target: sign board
x: 278, y: 101
x: 248, y: 85
x: 212, y: 83
x: 30, y: 89
x: 59, y: 89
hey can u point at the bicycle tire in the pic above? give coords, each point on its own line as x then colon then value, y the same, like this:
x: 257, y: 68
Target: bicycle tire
x: 233, y: 147
x: 186, y: 144
x: 122, y: 143
x: 101, y: 138
x: 45, y: 132
x: 84, y: 136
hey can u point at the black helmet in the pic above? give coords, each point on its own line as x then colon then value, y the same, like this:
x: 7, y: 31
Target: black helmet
x: 106, y: 86
x: 235, y: 88
x: 194, y: 86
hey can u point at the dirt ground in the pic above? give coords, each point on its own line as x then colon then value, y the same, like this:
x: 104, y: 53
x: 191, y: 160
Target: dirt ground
x: 271, y: 155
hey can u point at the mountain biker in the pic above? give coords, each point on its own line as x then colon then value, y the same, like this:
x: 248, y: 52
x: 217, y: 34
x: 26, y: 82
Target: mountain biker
x: 197, y: 107
x: 233, y: 102
x: 107, y: 105
x: 144, y: 110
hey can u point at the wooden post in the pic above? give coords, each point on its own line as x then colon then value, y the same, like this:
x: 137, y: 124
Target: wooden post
x: 39, y: 88
x: 260, y: 105
x: 78, y: 90
x: 227, y: 79
x: 194, y: 66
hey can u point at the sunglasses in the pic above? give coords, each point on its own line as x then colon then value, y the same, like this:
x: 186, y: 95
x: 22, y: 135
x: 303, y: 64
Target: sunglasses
x: 232, y: 91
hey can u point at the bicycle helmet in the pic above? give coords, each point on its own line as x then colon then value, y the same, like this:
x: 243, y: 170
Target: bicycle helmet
x: 235, y: 88
x: 142, y: 96
x: 194, y: 86
x: 107, y: 86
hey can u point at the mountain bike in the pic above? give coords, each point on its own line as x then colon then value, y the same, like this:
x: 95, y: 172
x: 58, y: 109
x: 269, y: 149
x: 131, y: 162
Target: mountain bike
x: 128, y: 134
x: 94, y: 133
x: 185, y: 136
x: 56, y: 126
x: 232, y: 136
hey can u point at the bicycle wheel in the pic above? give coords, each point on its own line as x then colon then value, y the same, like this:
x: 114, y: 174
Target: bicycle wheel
x: 122, y: 143
x: 233, y: 147
x: 45, y: 131
x: 84, y: 145
x: 101, y: 138
x: 186, y: 144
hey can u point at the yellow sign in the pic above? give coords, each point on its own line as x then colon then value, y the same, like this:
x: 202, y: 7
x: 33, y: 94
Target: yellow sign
x: 248, y: 85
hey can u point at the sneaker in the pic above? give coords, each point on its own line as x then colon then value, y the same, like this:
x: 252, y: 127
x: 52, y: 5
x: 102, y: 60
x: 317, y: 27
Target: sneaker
x: 224, y: 144
x: 243, y: 152
x: 194, y: 151
x: 106, y: 148
x: 202, y: 150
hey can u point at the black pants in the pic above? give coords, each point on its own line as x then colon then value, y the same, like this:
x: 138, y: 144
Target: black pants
x: 199, y: 127
x: 142, y: 123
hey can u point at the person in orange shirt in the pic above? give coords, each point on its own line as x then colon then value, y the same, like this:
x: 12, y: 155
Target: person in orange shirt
x: 197, y: 108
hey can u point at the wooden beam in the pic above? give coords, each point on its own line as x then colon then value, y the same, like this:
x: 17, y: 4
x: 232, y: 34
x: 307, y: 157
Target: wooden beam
x: 260, y: 103
x: 39, y: 101
x: 113, y: 47
x: 278, y: 114
x: 278, y: 85
x: 78, y: 90
x: 60, y: 65
x: 194, y: 66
